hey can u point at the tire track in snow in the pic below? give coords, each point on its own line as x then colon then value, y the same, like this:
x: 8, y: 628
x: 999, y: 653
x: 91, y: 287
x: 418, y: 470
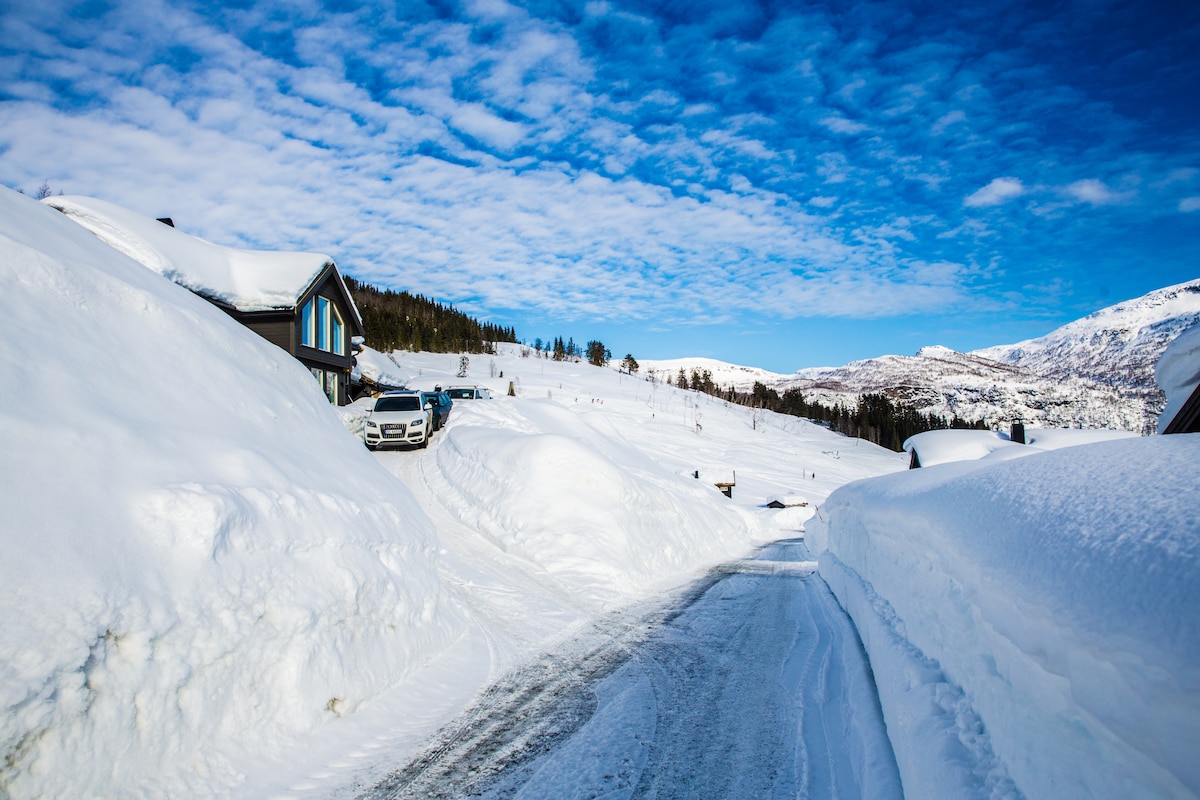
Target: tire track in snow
x: 758, y: 687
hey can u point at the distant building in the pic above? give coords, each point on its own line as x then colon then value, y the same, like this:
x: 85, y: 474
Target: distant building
x: 297, y: 301
x: 1178, y: 374
x: 1187, y: 419
x: 787, y: 501
x: 944, y: 446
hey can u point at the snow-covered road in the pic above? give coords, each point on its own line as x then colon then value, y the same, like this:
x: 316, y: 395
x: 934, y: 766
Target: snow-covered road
x: 748, y: 684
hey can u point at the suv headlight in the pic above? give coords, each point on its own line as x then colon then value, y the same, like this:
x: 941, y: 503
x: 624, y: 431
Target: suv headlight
x: 372, y: 424
x: 418, y: 422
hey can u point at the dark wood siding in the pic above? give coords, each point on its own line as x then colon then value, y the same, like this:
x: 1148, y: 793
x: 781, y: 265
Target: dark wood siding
x: 276, y: 330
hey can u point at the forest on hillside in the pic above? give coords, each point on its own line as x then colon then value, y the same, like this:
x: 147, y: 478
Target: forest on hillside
x: 874, y: 417
x: 405, y: 321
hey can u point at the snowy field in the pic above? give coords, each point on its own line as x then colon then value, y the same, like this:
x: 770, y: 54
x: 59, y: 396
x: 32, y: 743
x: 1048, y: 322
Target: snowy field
x: 214, y: 590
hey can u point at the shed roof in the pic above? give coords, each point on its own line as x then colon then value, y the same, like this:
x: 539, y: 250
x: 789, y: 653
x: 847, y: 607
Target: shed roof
x: 247, y: 280
x: 943, y: 446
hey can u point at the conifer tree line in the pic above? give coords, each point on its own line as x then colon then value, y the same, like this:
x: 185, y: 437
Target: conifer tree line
x: 404, y: 321
x: 874, y: 417
x: 558, y: 350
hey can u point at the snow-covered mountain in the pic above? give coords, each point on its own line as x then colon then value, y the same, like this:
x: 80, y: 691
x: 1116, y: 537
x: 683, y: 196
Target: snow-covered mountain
x: 942, y: 381
x: 723, y: 373
x: 1096, y: 372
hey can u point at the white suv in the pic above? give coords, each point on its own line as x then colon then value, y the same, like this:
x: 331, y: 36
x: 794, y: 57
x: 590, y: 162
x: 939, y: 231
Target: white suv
x: 399, y: 418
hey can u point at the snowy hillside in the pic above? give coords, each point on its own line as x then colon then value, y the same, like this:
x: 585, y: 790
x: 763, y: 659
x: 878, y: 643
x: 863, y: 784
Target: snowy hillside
x: 1096, y: 372
x: 723, y: 373
x: 945, y: 382
x: 1116, y: 346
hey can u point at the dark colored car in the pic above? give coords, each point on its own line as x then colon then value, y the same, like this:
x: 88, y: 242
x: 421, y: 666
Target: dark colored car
x: 441, y: 403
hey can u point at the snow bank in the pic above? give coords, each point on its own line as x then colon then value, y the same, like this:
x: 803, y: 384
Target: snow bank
x: 200, y: 564
x: 1033, y: 625
x: 379, y: 368
x: 562, y: 488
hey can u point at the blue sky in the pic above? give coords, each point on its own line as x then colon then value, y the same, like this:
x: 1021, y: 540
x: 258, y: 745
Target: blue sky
x: 776, y: 184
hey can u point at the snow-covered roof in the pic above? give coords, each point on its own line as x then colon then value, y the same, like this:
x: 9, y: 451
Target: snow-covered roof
x: 1055, y: 438
x: 788, y: 500
x: 248, y: 280
x: 941, y: 447
x: 379, y: 368
x: 1178, y: 373
x: 945, y: 446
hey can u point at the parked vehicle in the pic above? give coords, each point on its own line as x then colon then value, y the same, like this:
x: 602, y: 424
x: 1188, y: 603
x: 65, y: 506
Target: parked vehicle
x: 468, y: 393
x: 441, y: 403
x: 398, y: 418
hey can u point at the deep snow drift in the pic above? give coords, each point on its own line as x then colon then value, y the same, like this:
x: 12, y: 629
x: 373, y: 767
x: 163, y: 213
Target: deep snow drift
x: 198, y: 560
x: 1033, y: 624
x: 200, y: 565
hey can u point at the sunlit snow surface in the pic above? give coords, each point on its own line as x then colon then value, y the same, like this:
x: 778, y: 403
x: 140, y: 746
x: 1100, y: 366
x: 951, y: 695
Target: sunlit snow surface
x: 212, y: 589
x: 1033, y: 625
x: 200, y: 564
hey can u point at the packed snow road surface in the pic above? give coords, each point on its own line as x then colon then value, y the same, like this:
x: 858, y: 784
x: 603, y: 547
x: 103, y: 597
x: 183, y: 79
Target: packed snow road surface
x: 749, y: 684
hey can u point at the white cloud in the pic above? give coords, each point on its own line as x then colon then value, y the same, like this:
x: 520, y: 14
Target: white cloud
x: 1189, y: 204
x: 946, y: 120
x: 1093, y: 191
x: 839, y: 124
x: 477, y: 121
x: 998, y: 192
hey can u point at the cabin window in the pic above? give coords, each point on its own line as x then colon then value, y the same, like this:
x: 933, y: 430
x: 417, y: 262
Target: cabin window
x: 321, y: 326
x: 338, y: 333
x: 330, y: 383
x: 308, y: 327
x: 323, y: 323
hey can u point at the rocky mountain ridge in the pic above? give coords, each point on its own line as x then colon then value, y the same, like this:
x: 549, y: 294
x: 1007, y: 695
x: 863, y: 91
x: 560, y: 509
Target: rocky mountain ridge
x: 1095, y: 372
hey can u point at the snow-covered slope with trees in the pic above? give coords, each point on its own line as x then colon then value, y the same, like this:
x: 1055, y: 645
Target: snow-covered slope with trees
x: 722, y: 373
x: 1116, y: 346
x: 948, y: 383
x: 1096, y: 372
